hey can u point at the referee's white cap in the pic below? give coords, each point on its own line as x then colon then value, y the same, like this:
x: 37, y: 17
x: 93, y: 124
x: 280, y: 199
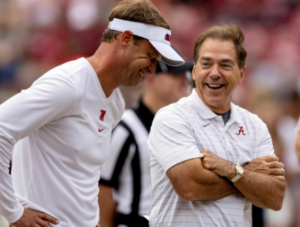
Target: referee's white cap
x: 159, y: 37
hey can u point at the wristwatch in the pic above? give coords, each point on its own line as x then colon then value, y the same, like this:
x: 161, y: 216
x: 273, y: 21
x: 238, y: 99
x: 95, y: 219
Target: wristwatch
x: 239, y: 172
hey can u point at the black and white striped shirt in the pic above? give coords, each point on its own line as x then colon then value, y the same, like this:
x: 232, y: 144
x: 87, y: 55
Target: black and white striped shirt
x: 127, y: 168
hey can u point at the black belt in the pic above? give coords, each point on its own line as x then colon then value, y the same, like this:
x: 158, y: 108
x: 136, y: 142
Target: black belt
x: 131, y: 220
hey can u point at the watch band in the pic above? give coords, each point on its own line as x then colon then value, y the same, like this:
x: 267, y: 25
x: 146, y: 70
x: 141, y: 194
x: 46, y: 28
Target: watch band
x: 239, y: 173
x: 236, y: 178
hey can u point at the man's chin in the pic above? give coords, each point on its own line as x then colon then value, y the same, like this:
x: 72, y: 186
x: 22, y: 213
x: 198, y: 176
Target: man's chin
x: 135, y: 81
x: 212, y: 101
x: 132, y: 84
x: 218, y: 106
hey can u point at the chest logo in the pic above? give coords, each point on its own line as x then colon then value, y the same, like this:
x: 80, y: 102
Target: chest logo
x: 205, y: 125
x: 103, y: 112
x: 241, y: 130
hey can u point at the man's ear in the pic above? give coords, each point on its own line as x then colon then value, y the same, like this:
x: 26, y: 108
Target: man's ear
x: 193, y: 72
x: 125, y: 38
x: 242, y: 75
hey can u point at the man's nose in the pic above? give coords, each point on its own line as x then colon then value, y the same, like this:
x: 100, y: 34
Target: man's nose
x: 215, y: 73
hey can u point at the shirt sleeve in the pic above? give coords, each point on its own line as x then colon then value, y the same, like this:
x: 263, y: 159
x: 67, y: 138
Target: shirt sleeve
x: 265, y: 145
x: 46, y: 100
x: 121, y: 143
x: 171, y: 139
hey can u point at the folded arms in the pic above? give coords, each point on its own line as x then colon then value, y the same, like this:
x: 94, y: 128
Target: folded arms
x: 208, y: 178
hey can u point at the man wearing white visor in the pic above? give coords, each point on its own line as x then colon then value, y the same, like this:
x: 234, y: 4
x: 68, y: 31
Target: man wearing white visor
x: 60, y: 127
x: 159, y: 37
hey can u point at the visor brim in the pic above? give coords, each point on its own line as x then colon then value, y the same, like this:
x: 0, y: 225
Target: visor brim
x: 169, y: 55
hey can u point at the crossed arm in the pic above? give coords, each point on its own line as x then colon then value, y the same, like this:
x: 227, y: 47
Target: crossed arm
x: 263, y: 182
x: 208, y: 179
x: 193, y: 182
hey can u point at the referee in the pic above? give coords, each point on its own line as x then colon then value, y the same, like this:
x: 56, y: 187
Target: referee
x: 125, y: 185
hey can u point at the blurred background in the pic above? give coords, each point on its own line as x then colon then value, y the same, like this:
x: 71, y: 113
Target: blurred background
x: 37, y: 35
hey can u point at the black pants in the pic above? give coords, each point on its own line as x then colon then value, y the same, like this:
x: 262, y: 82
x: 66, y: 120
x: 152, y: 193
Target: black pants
x: 131, y: 220
x: 257, y: 217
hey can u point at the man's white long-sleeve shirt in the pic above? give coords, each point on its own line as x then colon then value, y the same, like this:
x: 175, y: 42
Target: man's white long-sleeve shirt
x: 60, y: 132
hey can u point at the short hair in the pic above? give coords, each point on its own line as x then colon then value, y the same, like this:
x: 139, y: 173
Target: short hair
x: 224, y: 32
x: 142, y: 11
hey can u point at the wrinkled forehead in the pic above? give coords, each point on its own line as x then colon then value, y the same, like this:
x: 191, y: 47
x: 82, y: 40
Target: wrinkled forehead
x: 217, y: 49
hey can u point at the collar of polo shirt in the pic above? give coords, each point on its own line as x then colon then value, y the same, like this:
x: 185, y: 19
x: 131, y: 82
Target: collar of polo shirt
x: 159, y: 37
x: 207, y: 113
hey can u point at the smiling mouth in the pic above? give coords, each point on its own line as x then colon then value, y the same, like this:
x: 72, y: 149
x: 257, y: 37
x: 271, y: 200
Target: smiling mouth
x: 215, y: 86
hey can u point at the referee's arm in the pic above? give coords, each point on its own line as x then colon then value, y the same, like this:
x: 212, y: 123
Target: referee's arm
x: 107, y: 206
x: 121, y: 141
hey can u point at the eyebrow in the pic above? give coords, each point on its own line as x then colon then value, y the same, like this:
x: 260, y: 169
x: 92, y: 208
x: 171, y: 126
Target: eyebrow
x: 205, y: 59
x: 156, y: 55
x: 226, y: 60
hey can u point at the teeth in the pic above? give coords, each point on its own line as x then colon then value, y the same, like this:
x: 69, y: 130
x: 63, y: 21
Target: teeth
x: 142, y: 74
x: 214, y: 85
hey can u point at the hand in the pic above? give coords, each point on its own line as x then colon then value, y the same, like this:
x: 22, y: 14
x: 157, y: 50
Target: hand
x: 31, y: 218
x: 268, y: 165
x: 219, y: 166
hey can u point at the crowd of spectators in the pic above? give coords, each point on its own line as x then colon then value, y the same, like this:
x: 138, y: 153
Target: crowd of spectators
x: 36, y: 35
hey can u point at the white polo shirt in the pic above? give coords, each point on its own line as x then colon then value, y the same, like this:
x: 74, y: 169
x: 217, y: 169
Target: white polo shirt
x: 60, y: 130
x: 179, y: 132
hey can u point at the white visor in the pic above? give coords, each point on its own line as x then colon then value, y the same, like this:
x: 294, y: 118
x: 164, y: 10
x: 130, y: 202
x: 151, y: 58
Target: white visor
x: 159, y: 37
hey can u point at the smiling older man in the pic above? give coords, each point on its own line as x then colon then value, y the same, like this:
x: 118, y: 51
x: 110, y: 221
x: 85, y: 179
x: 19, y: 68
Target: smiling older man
x: 199, y: 145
